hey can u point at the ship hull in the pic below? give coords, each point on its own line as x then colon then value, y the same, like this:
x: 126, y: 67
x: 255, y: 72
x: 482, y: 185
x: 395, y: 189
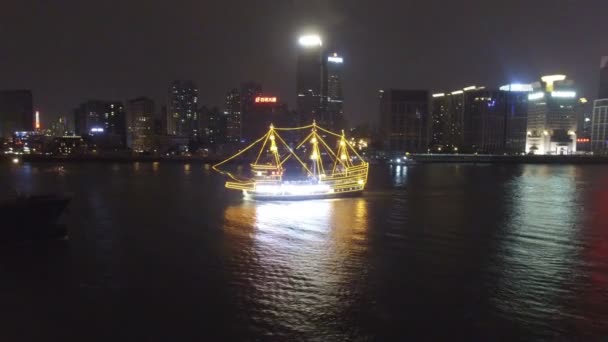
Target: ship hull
x: 270, y: 197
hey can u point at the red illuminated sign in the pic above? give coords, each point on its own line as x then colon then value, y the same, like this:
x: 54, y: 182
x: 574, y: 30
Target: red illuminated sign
x: 583, y: 140
x: 261, y: 99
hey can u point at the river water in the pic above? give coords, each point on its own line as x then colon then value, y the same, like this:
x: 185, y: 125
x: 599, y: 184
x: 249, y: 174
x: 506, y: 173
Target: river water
x: 161, y: 251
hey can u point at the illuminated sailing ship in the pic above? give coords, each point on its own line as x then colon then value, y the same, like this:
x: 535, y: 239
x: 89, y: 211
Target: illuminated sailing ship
x: 329, y: 172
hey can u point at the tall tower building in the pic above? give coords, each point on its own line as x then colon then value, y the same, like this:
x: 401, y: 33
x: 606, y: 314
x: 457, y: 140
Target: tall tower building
x: 116, y: 122
x: 140, y: 124
x: 552, y: 116
x: 309, y: 77
x: 16, y: 112
x: 249, y: 92
x: 232, y: 111
x: 182, y: 114
x: 332, y: 115
x: 603, y: 91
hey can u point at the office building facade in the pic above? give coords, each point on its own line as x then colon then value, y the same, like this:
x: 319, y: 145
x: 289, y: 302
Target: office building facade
x: 404, y: 120
x: 516, y: 117
x: 102, y: 123
x: 599, y: 127
x: 447, y: 121
x: 182, y: 109
x: 484, y: 121
x: 479, y: 120
x: 232, y: 111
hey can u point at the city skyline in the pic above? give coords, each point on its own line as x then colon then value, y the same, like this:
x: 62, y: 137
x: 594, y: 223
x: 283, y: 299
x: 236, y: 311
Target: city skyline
x: 64, y: 66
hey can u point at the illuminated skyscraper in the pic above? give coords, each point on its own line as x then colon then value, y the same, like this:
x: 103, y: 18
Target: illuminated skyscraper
x: 552, y: 116
x: 16, y: 112
x: 182, y: 113
x: 309, y: 77
x: 603, y: 93
x: 332, y: 111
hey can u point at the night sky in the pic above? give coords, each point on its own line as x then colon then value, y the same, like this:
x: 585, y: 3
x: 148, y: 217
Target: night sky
x: 67, y: 51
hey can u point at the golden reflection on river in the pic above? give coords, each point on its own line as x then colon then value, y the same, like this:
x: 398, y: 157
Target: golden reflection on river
x: 300, y: 258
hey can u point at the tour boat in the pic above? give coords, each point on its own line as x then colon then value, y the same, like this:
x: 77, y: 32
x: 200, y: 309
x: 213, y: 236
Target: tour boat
x: 343, y: 172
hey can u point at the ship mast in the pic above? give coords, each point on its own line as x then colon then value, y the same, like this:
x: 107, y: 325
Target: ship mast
x: 318, y: 171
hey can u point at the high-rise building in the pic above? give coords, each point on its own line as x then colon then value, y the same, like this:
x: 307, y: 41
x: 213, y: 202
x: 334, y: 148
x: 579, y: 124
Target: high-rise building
x: 249, y: 92
x: 140, y: 124
x: 332, y: 112
x: 476, y: 119
x: 404, y: 120
x: 447, y: 121
x: 182, y: 111
x: 309, y: 77
x: 599, y: 127
x: 516, y: 116
x: 603, y: 91
x: 552, y: 116
x: 232, y: 111
x: 89, y: 117
x: 484, y: 120
x: 216, y: 130
x: 319, y: 84
x: 116, y: 123
x: 103, y: 120
x: 16, y: 112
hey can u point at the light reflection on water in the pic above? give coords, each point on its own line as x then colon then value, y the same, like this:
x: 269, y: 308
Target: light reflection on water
x: 304, y: 259
x: 540, y: 247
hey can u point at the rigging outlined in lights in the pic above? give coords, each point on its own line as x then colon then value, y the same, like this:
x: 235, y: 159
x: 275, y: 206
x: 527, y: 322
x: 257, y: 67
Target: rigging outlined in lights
x: 343, y: 174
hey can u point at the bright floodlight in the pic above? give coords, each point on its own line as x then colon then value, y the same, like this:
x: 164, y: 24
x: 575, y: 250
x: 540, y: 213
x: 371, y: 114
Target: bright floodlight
x: 549, y: 79
x: 310, y: 40
x: 517, y: 87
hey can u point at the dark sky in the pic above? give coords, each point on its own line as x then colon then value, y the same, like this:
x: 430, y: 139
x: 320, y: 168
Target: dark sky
x: 67, y: 51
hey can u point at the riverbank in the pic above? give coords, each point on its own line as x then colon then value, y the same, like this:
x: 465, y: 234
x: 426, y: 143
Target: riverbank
x: 418, y: 158
x: 509, y: 159
x: 109, y: 159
